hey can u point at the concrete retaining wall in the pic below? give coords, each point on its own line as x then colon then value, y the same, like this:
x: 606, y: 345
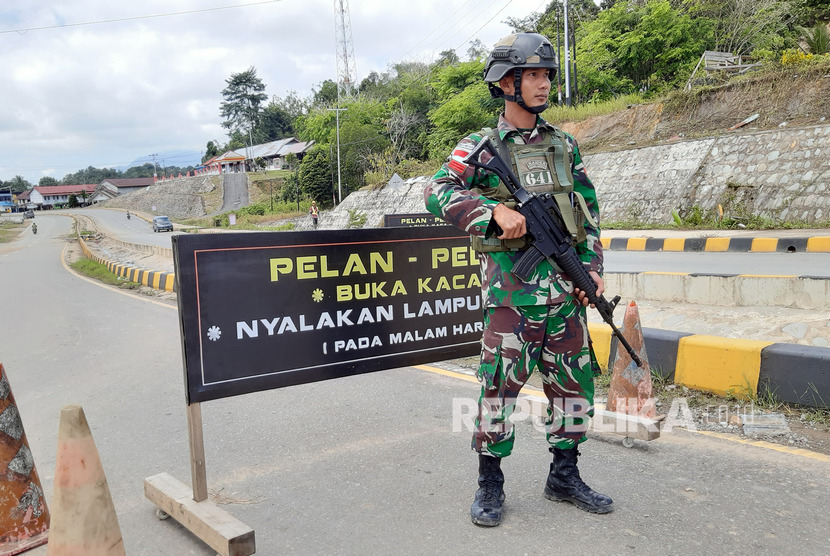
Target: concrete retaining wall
x: 142, y: 248
x: 178, y: 198
x: 799, y: 292
x: 783, y: 173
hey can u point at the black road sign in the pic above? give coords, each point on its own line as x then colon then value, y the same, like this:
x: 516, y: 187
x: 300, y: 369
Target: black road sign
x: 273, y: 309
x: 411, y: 220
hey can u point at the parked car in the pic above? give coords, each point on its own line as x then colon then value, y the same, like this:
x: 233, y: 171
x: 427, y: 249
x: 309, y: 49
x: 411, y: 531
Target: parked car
x: 162, y: 224
x: 29, y: 214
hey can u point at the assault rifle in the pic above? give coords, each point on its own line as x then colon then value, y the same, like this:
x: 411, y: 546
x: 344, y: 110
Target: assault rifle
x: 549, y: 240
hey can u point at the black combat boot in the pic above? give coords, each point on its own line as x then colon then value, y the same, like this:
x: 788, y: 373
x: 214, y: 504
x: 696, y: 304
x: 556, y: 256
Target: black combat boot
x: 565, y: 485
x: 487, y: 507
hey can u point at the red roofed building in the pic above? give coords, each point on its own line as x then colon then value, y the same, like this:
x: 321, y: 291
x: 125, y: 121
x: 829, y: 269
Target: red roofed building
x: 57, y: 196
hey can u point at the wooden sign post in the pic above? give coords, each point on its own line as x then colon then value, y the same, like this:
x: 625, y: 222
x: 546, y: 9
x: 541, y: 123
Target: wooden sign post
x: 331, y: 303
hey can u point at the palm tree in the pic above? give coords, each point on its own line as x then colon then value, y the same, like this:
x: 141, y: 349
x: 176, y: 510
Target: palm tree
x: 817, y: 39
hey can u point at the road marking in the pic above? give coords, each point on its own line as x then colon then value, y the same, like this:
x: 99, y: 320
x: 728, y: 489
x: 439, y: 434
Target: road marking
x: 768, y: 445
x: 532, y: 392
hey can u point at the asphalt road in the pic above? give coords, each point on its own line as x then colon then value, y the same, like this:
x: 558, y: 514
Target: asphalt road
x: 377, y: 463
x: 115, y: 223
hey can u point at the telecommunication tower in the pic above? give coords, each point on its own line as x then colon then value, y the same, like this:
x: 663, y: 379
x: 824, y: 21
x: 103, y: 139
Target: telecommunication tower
x: 346, y: 70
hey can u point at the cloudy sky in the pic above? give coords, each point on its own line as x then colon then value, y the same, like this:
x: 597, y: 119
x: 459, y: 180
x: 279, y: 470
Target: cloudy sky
x: 107, y: 83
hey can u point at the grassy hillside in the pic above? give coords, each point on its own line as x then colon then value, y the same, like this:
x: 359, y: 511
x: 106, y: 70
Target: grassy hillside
x: 797, y: 95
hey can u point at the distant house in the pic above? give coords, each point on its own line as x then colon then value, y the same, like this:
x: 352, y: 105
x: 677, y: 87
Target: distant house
x: 7, y: 200
x: 230, y: 162
x: 113, y: 187
x: 274, y: 153
x: 57, y: 196
x: 24, y: 201
x: 241, y: 160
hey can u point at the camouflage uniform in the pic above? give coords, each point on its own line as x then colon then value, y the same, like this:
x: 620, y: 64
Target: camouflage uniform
x: 533, y: 325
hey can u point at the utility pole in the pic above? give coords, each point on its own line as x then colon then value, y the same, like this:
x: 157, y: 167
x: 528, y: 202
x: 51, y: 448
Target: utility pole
x: 250, y: 149
x: 558, y: 61
x: 573, y: 46
x: 346, y: 70
x: 567, y: 58
x: 155, y: 170
x: 337, y: 111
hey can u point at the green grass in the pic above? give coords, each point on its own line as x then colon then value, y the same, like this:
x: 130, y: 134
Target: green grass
x: 268, y: 174
x: 9, y: 231
x: 100, y: 272
x: 559, y: 114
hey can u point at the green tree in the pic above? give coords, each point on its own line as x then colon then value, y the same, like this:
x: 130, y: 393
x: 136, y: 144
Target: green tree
x: 630, y: 48
x: 243, y: 97
x: 144, y: 171
x: 293, y: 105
x: 377, y: 85
x: 90, y: 175
x: 275, y: 123
x: 47, y: 180
x: 811, y: 12
x: 447, y: 58
x: 211, y: 150
x: 18, y: 184
x: 477, y: 51
x: 315, y: 175
x: 464, y: 105
x: 326, y: 95
x: 237, y: 142
x: 742, y: 26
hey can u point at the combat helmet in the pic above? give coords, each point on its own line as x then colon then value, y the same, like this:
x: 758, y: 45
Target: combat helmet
x: 516, y: 52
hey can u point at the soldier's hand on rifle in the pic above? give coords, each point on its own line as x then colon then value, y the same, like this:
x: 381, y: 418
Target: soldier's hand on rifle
x: 511, y: 222
x: 581, y: 297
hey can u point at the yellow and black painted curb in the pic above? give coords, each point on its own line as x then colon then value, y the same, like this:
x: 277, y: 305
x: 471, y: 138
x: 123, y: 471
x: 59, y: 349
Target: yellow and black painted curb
x: 817, y: 244
x: 730, y: 366
x: 156, y: 279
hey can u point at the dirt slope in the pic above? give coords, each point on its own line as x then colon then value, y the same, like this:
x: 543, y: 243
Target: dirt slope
x: 792, y: 97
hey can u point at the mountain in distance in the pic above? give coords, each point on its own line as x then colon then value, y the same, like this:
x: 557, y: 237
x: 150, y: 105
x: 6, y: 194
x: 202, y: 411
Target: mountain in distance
x: 180, y: 158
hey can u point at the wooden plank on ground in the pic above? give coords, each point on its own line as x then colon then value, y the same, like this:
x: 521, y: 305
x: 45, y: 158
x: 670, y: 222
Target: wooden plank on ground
x: 213, y: 525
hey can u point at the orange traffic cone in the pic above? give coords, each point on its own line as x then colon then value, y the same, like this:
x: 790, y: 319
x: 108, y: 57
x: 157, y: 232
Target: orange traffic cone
x: 24, y: 518
x: 631, y: 390
x: 83, y: 515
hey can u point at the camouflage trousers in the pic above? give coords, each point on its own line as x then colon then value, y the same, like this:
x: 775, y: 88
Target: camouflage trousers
x: 518, y: 340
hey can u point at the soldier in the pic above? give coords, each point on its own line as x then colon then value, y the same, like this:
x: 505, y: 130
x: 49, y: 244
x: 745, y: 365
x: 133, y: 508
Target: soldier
x: 539, y: 324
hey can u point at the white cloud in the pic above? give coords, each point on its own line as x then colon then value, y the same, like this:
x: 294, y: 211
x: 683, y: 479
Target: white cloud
x: 110, y: 93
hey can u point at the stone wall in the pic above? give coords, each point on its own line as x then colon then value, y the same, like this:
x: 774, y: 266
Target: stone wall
x: 369, y: 207
x: 177, y: 198
x: 784, y: 173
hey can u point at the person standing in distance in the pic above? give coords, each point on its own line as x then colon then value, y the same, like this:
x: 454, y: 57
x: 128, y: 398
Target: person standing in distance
x: 539, y: 324
x: 314, y: 212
